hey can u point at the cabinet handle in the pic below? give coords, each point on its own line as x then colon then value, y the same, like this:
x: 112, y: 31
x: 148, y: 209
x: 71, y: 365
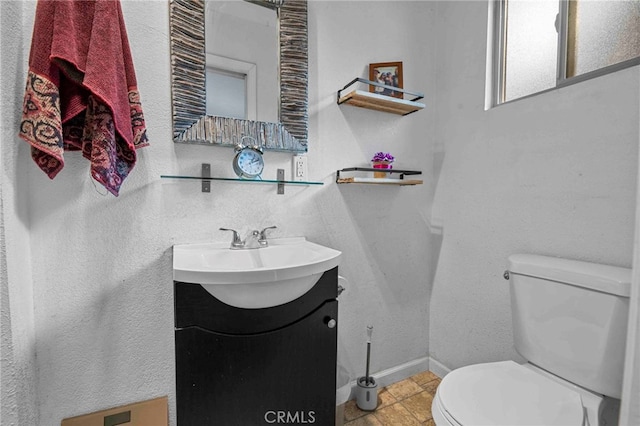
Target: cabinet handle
x: 331, y: 323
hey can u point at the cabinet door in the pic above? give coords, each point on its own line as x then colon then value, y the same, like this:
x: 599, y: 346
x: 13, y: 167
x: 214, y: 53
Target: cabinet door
x: 284, y: 376
x: 195, y: 306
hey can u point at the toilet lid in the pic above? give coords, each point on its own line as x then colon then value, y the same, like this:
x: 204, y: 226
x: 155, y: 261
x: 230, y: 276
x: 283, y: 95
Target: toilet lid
x: 506, y: 393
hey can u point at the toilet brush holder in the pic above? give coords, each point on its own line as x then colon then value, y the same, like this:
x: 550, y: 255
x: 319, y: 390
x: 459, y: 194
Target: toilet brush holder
x: 367, y: 394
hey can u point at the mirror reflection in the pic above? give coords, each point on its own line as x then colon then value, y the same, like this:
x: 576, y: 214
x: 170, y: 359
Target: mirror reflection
x: 241, y: 42
x: 274, y: 114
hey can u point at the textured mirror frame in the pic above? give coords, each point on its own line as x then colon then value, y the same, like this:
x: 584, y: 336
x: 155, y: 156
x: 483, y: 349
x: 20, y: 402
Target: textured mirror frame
x: 188, y: 61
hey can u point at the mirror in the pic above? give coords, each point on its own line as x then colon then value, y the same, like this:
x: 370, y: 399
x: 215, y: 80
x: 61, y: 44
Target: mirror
x: 242, y: 60
x: 189, y: 57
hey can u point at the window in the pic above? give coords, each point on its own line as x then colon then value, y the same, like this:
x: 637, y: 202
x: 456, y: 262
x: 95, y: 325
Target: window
x: 228, y: 93
x: 544, y: 44
x: 231, y: 88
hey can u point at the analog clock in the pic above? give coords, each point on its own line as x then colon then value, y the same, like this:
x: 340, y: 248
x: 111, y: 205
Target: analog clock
x: 248, y: 162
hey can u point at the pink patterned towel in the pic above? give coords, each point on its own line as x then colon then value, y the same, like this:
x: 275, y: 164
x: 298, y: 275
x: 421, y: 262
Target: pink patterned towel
x: 81, y: 90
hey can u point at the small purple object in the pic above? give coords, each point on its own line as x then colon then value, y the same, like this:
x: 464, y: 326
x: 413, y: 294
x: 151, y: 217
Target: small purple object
x: 382, y: 156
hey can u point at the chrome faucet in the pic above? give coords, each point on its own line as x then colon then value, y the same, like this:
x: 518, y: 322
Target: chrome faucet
x: 252, y: 240
x: 236, y: 243
x: 255, y: 239
x: 263, y: 236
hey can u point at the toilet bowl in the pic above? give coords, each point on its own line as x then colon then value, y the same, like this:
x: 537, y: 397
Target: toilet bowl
x: 569, y: 323
x: 509, y: 394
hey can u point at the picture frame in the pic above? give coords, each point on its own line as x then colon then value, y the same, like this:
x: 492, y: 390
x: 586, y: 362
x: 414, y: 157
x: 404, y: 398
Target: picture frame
x: 388, y: 73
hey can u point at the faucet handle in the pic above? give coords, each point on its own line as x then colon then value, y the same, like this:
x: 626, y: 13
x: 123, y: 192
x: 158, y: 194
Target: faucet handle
x: 236, y: 242
x: 263, y: 235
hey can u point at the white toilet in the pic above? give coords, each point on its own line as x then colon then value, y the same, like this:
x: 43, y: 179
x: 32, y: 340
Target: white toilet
x: 570, y: 324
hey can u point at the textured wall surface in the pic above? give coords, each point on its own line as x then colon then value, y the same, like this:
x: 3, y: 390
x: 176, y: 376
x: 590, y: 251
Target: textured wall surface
x: 102, y: 289
x: 18, y: 396
x: 86, y: 277
x: 554, y: 174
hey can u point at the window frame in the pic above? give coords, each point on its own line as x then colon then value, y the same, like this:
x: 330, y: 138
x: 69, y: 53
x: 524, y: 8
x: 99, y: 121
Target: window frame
x: 248, y: 69
x: 498, y: 54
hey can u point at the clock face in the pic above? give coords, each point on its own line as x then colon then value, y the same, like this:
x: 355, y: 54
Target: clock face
x: 248, y: 163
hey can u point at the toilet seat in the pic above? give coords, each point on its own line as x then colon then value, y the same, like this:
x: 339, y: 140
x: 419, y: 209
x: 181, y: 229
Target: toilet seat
x: 505, y: 393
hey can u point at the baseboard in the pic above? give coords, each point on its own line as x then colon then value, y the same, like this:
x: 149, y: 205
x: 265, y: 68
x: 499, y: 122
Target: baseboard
x: 437, y: 368
x: 389, y: 376
x: 401, y: 372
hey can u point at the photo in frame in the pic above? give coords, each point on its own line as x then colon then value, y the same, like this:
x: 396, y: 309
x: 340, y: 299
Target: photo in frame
x: 387, y: 73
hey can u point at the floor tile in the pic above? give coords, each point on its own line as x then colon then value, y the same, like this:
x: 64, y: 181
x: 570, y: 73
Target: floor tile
x: 424, y: 377
x: 431, y: 386
x: 406, y: 403
x: 404, y: 389
x: 385, y: 398
x: 368, y: 420
x: 351, y: 411
x: 419, y: 405
x: 396, y: 414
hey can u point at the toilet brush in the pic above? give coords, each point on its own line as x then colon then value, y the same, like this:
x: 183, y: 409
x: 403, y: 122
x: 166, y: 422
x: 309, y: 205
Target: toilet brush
x: 367, y: 389
x: 369, y: 333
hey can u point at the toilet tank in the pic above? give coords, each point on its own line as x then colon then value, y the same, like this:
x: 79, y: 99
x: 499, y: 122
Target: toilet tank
x: 570, y: 318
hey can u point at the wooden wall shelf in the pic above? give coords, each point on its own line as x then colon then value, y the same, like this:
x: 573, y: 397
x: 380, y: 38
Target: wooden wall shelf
x: 379, y: 181
x: 377, y: 102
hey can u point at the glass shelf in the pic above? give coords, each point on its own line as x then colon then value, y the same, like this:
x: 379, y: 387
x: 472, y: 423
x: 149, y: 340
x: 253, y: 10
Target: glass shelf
x: 286, y: 182
x: 206, y: 179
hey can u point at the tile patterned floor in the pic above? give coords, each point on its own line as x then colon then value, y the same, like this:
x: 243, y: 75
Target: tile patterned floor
x: 406, y: 403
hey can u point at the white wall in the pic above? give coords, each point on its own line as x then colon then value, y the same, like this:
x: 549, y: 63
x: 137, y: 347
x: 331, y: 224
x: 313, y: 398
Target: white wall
x: 630, y: 408
x: 554, y: 174
x: 18, y: 396
x: 88, y: 276
x: 102, y: 289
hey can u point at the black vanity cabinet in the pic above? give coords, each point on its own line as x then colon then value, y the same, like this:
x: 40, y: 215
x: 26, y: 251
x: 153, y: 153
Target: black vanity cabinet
x: 250, y: 367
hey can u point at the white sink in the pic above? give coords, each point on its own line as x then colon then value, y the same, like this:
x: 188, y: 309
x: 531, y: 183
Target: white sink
x: 254, y: 278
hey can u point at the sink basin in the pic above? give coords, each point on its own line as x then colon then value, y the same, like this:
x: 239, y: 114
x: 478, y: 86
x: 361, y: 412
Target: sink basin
x: 254, y: 278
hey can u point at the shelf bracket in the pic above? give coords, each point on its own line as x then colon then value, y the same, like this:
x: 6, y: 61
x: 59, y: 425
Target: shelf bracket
x: 280, y: 178
x: 206, y: 173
